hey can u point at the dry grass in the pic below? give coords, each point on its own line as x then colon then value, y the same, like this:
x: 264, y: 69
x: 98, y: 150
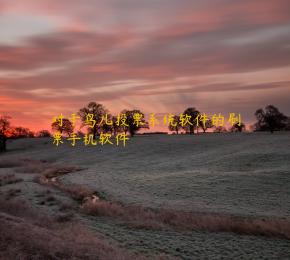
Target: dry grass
x: 140, y: 217
x: 77, y: 192
x: 44, y: 168
x: 11, y: 193
x: 66, y: 206
x: 9, y: 179
x: 48, y: 172
x: 56, y: 171
x: 31, y: 167
x: 26, y: 234
x: 66, y: 217
x: 9, y: 163
x: 19, y: 208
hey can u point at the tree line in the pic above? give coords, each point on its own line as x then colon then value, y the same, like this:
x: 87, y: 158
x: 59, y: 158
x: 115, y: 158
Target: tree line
x: 268, y: 119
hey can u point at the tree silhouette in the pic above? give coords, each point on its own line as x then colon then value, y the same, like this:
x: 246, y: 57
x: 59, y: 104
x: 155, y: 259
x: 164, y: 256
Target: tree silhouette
x: 4, y: 131
x: 220, y: 129
x: 80, y: 134
x: 21, y: 132
x: 43, y: 133
x: 193, y: 114
x: 175, y: 126
x: 287, y: 127
x: 98, y: 111
x: 204, y: 126
x: 238, y: 127
x: 107, y: 128
x: 270, y: 119
x: 116, y: 127
x: 131, y: 121
x: 66, y: 127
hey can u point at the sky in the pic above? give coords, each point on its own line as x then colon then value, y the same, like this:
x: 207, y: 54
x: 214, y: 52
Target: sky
x: 160, y: 56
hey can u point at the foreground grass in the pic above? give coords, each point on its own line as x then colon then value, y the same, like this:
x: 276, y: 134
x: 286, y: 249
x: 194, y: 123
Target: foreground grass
x: 161, y: 219
x: 27, y: 234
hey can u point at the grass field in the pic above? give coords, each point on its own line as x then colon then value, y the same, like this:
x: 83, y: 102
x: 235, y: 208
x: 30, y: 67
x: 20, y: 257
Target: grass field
x: 214, y: 178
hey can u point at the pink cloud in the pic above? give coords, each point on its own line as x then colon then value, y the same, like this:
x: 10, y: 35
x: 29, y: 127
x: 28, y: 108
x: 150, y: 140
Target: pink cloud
x: 153, y: 44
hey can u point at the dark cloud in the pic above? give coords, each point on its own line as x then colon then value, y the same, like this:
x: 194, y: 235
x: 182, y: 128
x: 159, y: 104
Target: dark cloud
x: 54, y: 48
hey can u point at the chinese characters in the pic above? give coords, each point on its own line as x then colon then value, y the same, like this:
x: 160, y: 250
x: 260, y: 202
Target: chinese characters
x: 109, y: 130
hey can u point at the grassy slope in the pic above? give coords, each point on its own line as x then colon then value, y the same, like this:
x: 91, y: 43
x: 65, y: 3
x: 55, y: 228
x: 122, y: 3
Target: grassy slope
x: 243, y: 175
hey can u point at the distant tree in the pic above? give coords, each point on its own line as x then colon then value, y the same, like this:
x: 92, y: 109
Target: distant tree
x: 220, y: 129
x: 270, y: 119
x: 98, y: 111
x: 116, y: 127
x: 66, y: 127
x: 204, y: 126
x: 238, y: 127
x: 192, y: 113
x: 287, y: 127
x: 175, y: 126
x: 21, y: 132
x: 80, y: 134
x: 43, y: 133
x: 133, y: 127
x: 108, y: 127
x: 4, y: 131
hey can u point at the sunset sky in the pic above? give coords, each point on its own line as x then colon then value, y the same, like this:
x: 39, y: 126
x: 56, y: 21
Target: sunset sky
x: 159, y: 56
